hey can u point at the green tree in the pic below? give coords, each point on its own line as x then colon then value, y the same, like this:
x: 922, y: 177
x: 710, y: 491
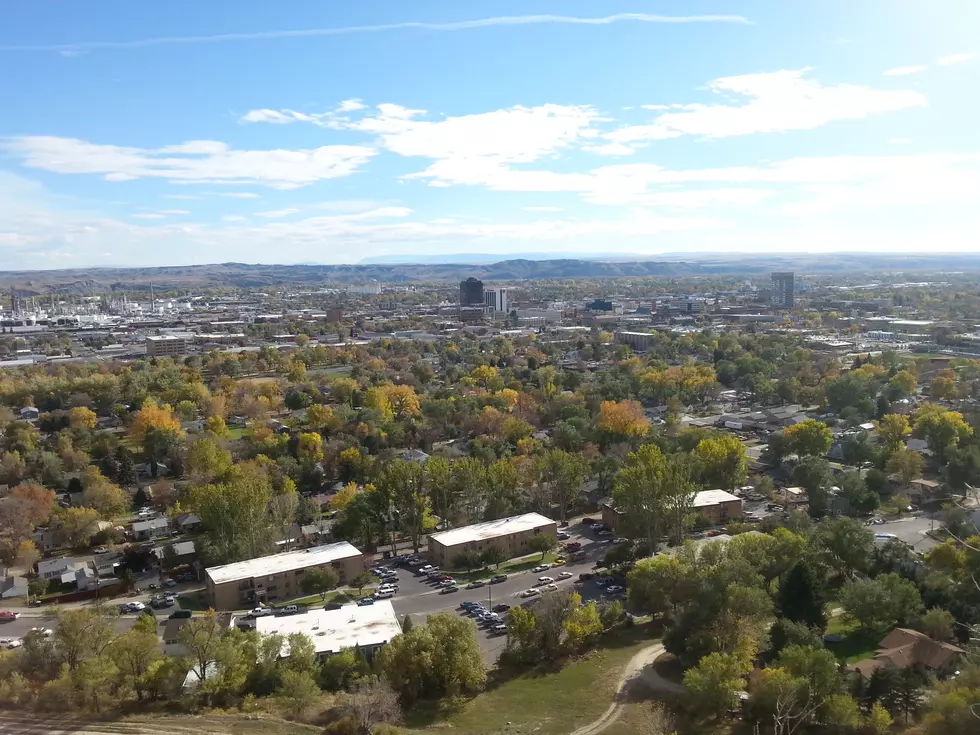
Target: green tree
x: 361, y: 581
x: 207, y: 461
x: 342, y: 670
x: 83, y: 633
x: 493, y: 556
x: 801, y: 596
x: 881, y: 602
x: 941, y: 429
x: 808, y: 438
x: 937, y: 624
x: 906, y: 464
x: 723, y: 460
x: 134, y: 653
x: 840, y: 713
x: 319, y: 581
x: 405, y: 484
x: 298, y: 691
x: 661, y: 584
x: 813, y: 475
x: 543, y: 543
x: 845, y: 544
x: 466, y: 559
x: 583, y: 625
x: 878, y: 721
x: 711, y: 687
x: 639, y: 492
x: 564, y: 473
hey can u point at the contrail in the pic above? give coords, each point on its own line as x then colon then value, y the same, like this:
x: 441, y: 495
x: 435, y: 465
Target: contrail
x: 463, y: 25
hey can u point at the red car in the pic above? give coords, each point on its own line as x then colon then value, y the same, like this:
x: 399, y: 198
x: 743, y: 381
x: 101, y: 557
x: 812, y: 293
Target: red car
x: 573, y: 546
x: 7, y: 615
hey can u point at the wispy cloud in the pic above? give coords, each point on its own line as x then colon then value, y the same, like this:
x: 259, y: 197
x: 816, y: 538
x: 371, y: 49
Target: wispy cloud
x: 956, y: 59
x: 463, y: 25
x: 904, y: 71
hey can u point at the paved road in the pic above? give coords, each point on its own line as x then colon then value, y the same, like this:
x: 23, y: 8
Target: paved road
x: 912, y: 530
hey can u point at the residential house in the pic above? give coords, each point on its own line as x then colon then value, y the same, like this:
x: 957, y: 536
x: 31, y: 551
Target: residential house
x: 152, y: 528
x: 29, y: 413
x: 11, y: 587
x: 922, y: 491
x: 45, y: 539
x: 905, y: 648
x: 188, y: 522
x: 316, y: 532
x: 54, y: 568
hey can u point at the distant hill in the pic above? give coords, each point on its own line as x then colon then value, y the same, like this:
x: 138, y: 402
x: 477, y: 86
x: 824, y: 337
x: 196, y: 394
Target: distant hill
x: 243, y: 275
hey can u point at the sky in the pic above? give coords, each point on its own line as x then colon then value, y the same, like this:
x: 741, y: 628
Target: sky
x: 137, y: 134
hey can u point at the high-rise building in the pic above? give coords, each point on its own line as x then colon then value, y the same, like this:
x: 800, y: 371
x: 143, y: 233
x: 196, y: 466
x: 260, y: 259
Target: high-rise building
x: 471, y: 292
x: 495, y: 300
x: 782, y: 290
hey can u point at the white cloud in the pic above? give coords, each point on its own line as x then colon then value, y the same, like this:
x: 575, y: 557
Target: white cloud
x: 541, y: 209
x: 149, y: 215
x: 904, y: 71
x: 193, y: 162
x: 777, y: 102
x: 174, y: 211
x: 956, y: 59
x: 181, y: 196
x: 233, y: 218
x: 238, y: 194
x: 464, y: 25
x: 350, y: 106
x: 277, y: 213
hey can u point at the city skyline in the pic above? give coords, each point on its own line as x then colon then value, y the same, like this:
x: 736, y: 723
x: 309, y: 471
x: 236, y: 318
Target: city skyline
x: 141, y: 138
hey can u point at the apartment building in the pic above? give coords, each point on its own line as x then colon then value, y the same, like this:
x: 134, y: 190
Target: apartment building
x: 511, y: 535
x: 277, y: 577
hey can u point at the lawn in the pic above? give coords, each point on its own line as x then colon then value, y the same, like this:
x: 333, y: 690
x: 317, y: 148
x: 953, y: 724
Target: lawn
x: 541, y: 702
x: 521, y: 564
x: 855, y: 644
x: 236, y: 432
x: 192, y: 602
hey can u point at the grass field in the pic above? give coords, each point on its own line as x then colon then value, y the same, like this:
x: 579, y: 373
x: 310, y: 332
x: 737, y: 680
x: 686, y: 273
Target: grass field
x: 343, y: 597
x: 191, y: 602
x: 855, y: 644
x: 542, y: 702
x: 508, y: 567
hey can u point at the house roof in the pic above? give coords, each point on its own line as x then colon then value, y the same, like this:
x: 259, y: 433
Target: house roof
x: 904, y: 647
x: 491, y: 529
x: 714, y: 497
x: 285, y: 562
x: 161, y: 522
x: 334, y: 630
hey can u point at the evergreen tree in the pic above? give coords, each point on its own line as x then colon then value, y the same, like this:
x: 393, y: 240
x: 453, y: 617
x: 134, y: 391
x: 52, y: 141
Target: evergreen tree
x: 407, y: 624
x: 801, y: 597
x: 140, y: 499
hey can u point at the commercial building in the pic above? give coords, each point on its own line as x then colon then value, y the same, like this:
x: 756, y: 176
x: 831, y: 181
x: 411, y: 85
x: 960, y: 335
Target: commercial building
x: 165, y: 345
x: 495, y: 300
x: 280, y: 576
x: 783, y: 290
x: 717, y: 505
x: 639, y: 341
x: 331, y: 631
x: 511, y: 535
x: 471, y: 292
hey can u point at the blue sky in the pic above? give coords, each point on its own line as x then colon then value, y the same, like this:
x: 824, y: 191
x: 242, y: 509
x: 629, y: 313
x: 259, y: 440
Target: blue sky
x: 179, y: 132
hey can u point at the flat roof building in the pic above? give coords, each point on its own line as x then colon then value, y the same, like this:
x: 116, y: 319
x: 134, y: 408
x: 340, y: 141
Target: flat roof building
x: 279, y: 576
x: 511, y: 535
x: 718, y: 505
x: 783, y: 290
x: 331, y: 631
x: 165, y: 345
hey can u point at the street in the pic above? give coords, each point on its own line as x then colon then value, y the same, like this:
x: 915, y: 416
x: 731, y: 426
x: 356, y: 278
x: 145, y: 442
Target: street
x: 912, y: 530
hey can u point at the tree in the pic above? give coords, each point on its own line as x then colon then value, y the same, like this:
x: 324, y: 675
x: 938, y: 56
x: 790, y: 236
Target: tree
x: 723, y: 461
x: 801, y: 597
x: 846, y: 544
x: 813, y: 475
x: 543, y: 543
x: 941, y: 429
x: 893, y: 428
x: 963, y: 467
x: 83, y: 633
x: 937, y: 624
x: 639, y: 492
x: 81, y: 417
x: 76, y: 526
x: 155, y: 429
x: 135, y: 651
x: 493, y: 556
x: 564, y: 474
x: 342, y: 670
x: 583, y: 625
x: 361, y: 581
x: 202, y: 639
x: 107, y: 498
x: 372, y: 702
x: 298, y: 691
x: 878, y: 721
x: 710, y: 688
x: 207, y: 461
x: 840, y: 713
x: 906, y: 464
x: 466, y: 559
x: 881, y: 602
x: 624, y: 419
x: 661, y: 584
x: 404, y: 483
x: 808, y: 438
x: 320, y: 580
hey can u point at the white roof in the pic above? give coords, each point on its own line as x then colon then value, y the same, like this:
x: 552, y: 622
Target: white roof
x: 713, y: 497
x: 161, y: 522
x: 491, y: 529
x: 334, y: 630
x: 285, y: 562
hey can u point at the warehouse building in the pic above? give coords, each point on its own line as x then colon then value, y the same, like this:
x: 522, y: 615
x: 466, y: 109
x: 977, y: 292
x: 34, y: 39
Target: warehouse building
x: 717, y: 505
x: 367, y: 628
x: 277, y: 577
x: 511, y: 535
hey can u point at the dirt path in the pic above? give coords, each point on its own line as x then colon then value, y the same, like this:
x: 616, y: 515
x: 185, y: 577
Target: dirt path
x: 640, y: 668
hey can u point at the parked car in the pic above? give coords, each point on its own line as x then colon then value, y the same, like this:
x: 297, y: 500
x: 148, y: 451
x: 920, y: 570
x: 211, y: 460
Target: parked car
x: 573, y: 546
x: 614, y: 589
x: 332, y: 606
x: 545, y: 580
x: 551, y: 587
x: 188, y: 577
x: 576, y: 556
x: 365, y: 601
x: 604, y: 532
x: 541, y: 568
x: 44, y: 632
x: 259, y: 612
x: 383, y: 594
x: 11, y: 643
x: 558, y: 562
x: 562, y: 536
x: 621, y: 540
x: 585, y: 576
x: 476, y: 583
x: 6, y: 615
x: 530, y: 592
x: 498, y: 629
x: 565, y: 575
x: 100, y: 550
x: 502, y: 607
x: 450, y: 588
x: 498, y: 578
x: 170, y: 583
x: 178, y: 614
x: 589, y: 521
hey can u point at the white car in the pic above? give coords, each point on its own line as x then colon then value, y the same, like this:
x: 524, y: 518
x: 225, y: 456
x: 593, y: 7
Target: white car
x: 530, y: 593
x: 541, y: 568
x: 45, y: 632
x: 259, y: 612
x: 551, y: 587
x: 545, y: 580
x: 137, y: 606
x: 11, y: 643
x: 565, y: 575
x: 381, y: 594
x: 388, y: 588
x: 614, y: 589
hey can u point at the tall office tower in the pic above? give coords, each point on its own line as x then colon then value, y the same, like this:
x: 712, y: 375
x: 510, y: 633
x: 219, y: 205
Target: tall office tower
x: 471, y: 292
x: 782, y: 290
x: 495, y: 300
